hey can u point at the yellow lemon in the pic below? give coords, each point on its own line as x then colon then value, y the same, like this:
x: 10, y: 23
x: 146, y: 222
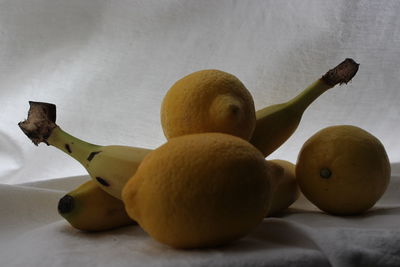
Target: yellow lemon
x: 343, y: 170
x: 199, y: 190
x: 208, y: 101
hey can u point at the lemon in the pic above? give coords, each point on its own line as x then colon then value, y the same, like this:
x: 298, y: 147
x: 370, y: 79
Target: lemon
x: 199, y: 190
x: 208, y: 101
x: 343, y: 170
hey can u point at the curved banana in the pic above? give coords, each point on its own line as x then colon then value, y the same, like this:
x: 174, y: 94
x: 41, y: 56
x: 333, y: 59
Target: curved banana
x: 276, y: 123
x: 285, y: 189
x: 89, y: 208
x: 110, y: 167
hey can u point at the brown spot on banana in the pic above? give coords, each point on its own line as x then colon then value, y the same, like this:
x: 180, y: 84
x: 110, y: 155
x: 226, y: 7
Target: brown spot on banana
x: 92, y: 155
x: 102, y: 181
x: 68, y: 148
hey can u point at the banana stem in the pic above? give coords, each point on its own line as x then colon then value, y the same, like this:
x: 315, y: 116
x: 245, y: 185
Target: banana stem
x: 41, y: 127
x: 342, y: 73
x: 306, y: 97
x: 78, y: 149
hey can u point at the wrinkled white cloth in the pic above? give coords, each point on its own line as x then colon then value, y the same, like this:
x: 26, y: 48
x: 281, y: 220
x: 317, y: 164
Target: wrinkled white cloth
x: 33, y: 234
x: 108, y: 64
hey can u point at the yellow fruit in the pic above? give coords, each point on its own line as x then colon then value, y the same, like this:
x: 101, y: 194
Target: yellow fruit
x: 109, y: 166
x: 276, y: 123
x: 89, y: 208
x: 208, y: 101
x: 285, y: 189
x: 343, y: 170
x: 199, y: 190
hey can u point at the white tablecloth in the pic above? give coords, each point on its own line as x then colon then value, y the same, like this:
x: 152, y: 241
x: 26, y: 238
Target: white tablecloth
x: 33, y: 234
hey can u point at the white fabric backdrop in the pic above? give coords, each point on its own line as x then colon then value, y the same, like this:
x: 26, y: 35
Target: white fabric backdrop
x: 108, y: 64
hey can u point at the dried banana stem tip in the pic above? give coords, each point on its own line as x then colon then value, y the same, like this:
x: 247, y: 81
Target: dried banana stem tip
x: 40, y: 122
x: 342, y: 73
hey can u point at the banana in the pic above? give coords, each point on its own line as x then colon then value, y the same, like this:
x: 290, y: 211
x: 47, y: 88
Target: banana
x: 89, y: 208
x: 285, y: 189
x: 276, y: 123
x: 110, y: 167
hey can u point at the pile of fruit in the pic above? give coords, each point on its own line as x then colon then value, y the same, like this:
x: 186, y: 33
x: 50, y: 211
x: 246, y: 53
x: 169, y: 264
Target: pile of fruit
x: 210, y: 183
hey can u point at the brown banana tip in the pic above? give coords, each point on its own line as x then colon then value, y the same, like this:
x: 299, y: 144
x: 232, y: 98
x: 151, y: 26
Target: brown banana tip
x: 40, y: 122
x: 342, y: 73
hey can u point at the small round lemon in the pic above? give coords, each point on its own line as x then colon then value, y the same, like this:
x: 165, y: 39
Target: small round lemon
x: 343, y: 170
x: 199, y: 190
x: 208, y: 101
